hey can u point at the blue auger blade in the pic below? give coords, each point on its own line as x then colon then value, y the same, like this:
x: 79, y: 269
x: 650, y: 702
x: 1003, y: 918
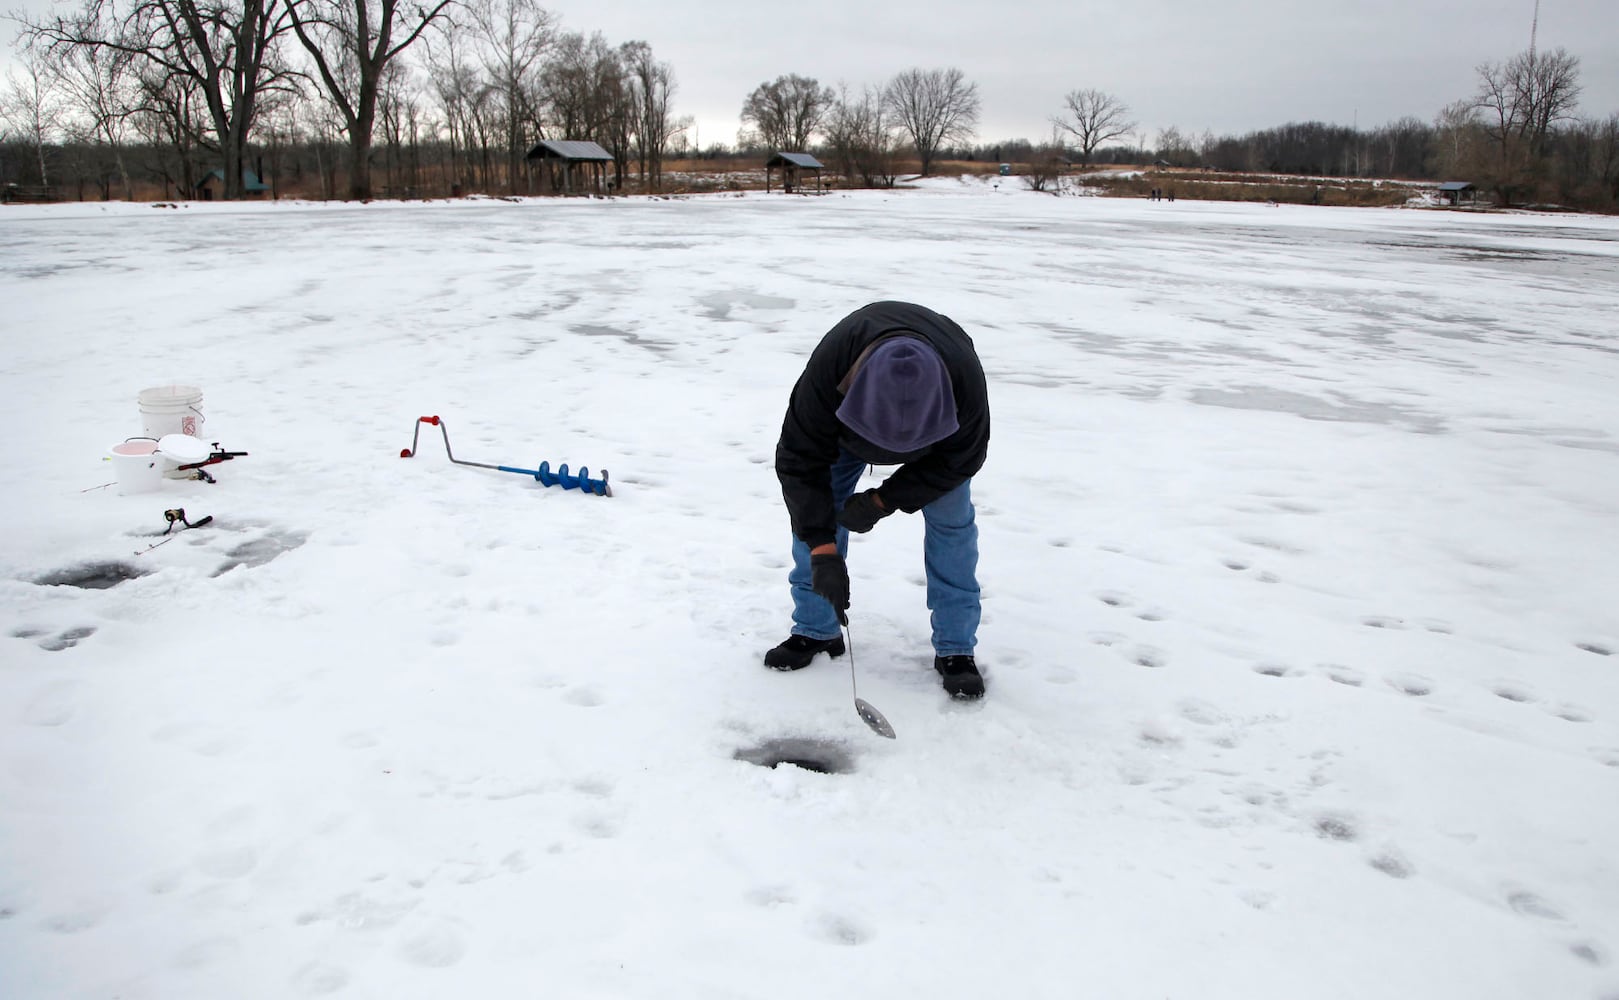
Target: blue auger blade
x: 582, y: 482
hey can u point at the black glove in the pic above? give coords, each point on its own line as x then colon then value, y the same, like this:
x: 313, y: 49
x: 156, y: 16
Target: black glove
x: 829, y: 577
x: 862, y: 513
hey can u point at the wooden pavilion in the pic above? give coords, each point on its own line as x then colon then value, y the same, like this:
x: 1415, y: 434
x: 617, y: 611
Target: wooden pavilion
x: 793, y: 166
x: 558, y: 158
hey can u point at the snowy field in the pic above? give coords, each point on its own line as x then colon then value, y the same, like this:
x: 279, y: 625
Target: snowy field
x: 1300, y: 538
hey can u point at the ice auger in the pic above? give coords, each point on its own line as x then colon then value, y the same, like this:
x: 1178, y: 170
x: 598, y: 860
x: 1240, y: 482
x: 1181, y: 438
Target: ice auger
x: 543, y: 474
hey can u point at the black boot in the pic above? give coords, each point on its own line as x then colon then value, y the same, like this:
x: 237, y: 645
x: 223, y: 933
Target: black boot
x: 797, y: 652
x: 961, y: 677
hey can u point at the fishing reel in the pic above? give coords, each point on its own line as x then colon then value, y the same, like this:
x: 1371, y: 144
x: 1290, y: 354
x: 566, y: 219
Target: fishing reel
x: 178, y: 515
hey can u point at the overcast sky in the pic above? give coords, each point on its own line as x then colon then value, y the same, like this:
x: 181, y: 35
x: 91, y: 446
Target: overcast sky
x: 1230, y: 67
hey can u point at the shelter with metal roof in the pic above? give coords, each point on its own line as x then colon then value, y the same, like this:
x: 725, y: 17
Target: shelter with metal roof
x: 559, y: 157
x: 793, y: 166
x: 252, y: 187
x: 1454, y: 191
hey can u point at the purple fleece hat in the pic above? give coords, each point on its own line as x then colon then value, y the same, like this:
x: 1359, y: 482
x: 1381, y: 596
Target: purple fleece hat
x: 901, y: 400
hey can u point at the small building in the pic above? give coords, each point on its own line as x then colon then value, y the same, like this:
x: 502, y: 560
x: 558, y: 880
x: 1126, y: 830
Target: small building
x: 560, y: 157
x: 252, y: 187
x: 1454, y: 192
x: 29, y: 192
x: 793, y: 166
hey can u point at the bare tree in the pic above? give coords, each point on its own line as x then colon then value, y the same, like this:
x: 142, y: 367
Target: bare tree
x: 396, y: 104
x: 1045, y: 169
x: 513, y: 37
x: 784, y: 113
x: 460, y: 90
x: 581, y: 83
x: 1093, y: 117
x: 102, y: 87
x: 1458, y: 136
x: 587, y: 95
x: 651, y: 90
x: 170, y: 119
x: 1519, y: 102
x: 32, y: 108
x: 225, y: 48
x: 351, y: 43
x: 1605, y: 139
x: 862, y: 138
x: 1175, y: 148
x: 1401, y: 147
x: 934, y: 107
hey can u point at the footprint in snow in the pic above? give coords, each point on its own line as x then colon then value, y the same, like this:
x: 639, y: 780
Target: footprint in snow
x: 595, y: 788
x: 1513, y: 691
x: 1383, y: 621
x: 1272, y: 545
x: 1529, y: 904
x: 1391, y: 863
x: 1277, y: 670
x: 1201, y: 713
x: 1340, y: 674
x: 1114, y: 599
x: 1570, y: 713
x: 840, y: 930
x: 1599, y: 648
x: 1148, y: 656
x: 596, y: 825
x: 1337, y: 826
x: 1589, y: 952
x: 1415, y: 685
x: 67, y: 639
x: 584, y: 697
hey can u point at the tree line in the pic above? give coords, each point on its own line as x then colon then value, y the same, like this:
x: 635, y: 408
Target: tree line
x: 370, y: 97
x: 193, y: 84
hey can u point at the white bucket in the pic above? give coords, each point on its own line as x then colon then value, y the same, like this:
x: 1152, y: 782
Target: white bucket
x: 137, y: 466
x: 180, y: 449
x: 172, y: 409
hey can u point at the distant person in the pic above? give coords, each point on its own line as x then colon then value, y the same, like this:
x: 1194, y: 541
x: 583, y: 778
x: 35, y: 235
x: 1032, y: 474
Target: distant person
x: 892, y: 384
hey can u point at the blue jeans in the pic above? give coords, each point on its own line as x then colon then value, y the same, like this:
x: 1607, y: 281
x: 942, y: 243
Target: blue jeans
x: 949, y: 555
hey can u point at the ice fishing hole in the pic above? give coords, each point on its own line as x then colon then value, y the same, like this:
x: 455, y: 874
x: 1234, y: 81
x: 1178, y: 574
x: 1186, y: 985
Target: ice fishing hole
x: 92, y: 576
x: 820, y: 756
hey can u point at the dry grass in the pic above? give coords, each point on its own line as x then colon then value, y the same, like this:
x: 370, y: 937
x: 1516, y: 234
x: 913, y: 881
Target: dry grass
x: 1215, y: 186
x: 746, y: 173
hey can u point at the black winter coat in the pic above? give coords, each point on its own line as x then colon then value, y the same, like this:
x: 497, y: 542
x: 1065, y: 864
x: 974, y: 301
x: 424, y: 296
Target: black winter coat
x: 811, y: 434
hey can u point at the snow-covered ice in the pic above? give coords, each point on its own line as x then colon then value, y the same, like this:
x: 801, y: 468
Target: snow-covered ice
x: 1300, y: 567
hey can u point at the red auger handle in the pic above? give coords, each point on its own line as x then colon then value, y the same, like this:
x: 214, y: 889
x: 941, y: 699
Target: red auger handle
x: 428, y: 420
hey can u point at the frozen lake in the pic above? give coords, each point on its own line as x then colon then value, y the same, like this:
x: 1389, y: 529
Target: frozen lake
x: 1299, y: 564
